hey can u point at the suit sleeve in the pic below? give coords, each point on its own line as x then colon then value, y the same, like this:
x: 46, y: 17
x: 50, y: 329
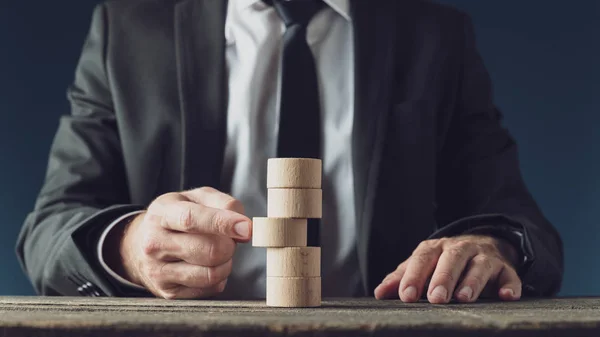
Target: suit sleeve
x: 480, y: 183
x: 85, y: 186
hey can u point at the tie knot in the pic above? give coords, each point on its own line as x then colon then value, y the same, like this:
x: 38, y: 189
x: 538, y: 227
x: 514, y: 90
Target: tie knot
x: 296, y: 12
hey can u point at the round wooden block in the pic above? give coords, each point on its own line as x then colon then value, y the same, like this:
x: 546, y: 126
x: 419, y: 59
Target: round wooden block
x: 277, y: 232
x: 294, y: 173
x: 294, y: 292
x: 294, y: 203
x: 294, y: 262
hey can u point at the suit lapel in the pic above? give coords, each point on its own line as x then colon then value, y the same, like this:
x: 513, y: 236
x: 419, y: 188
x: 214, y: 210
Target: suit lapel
x: 200, y: 52
x: 374, y: 37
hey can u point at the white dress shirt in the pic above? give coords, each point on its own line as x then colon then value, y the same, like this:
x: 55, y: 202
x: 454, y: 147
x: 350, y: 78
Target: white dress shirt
x: 253, y: 33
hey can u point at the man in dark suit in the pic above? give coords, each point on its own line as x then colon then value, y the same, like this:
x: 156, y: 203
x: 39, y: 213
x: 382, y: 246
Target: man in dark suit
x: 176, y: 106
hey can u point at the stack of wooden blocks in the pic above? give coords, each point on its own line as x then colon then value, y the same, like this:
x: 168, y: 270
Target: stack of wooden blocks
x: 293, y: 269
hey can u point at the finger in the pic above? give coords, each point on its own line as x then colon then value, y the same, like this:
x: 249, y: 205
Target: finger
x: 478, y: 272
x: 181, y: 293
x: 189, y: 217
x: 201, y: 250
x: 190, y: 276
x: 450, y: 266
x: 390, y: 284
x: 418, y: 269
x: 157, y: 245
x: 214, y: 198
x: 509, y: 284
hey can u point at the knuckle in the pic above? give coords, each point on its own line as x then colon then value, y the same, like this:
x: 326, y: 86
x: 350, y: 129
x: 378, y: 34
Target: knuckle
x: 410, y: 281
x: 164, y: 200
x: 428, y: 247
x: 211, y: 276
x: 154, y: 274
x: 424, y: 258
x: 151, y: 246
x: 155, y: 206
x: 463, y: 245
x: 445, y: 277
x: 206, y: 189
x: 234, y: 205
x: 213, y: 252
x: 427, y: 244
x: 484, y: 261
x: 186, y: 221
x: 456, y: 253
x: 445, y: 240
x: 170, y: 196
x: 220, y: 251
x: 475, y: 281
x: 486, y: 247
x: 194, y: 249
x: 188, y: 278
x: 218, y: 222
x: 216, y: 275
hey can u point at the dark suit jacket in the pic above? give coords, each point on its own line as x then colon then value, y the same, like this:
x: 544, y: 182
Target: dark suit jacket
x: 148, y: 116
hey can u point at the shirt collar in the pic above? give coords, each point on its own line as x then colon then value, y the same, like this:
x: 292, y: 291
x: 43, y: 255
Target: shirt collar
x: 342, y: 7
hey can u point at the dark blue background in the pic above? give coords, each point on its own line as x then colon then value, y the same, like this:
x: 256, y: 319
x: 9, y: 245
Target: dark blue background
x: 543, y: 56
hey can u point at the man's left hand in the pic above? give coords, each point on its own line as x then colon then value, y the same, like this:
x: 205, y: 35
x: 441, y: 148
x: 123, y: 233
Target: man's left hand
x: 461, y: 267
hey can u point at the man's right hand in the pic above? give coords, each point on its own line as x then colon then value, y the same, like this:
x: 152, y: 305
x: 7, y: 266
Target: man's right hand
x: 182, y: 246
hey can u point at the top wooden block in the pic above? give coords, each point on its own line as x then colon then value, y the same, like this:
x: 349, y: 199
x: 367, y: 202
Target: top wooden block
x: 294, y: 173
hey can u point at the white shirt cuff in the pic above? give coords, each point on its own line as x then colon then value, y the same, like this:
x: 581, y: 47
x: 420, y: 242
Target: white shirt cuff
x: 101, y: 256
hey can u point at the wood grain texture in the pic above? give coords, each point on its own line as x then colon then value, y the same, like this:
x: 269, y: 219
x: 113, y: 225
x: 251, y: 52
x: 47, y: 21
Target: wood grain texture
x: 146, y: 317
x: 293, y: 292
x: 294, y: 173
x: 279, y: 232
x: 294, y: 262
x: 294, y: 203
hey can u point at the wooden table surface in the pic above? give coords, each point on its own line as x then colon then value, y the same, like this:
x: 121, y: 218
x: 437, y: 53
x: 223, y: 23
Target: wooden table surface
x: 66, y: 317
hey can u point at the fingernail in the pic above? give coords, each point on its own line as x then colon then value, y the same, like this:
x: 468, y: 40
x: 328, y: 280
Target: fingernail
x: 440, y: 292
x: 411, y: 293
x: 466, y: 292
x: 242, y: 229
x: 509, y: 291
